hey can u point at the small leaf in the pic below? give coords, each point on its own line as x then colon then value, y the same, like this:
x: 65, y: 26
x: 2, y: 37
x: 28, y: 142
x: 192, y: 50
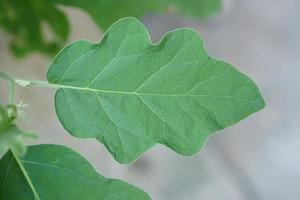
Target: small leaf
x: 106, y: 12
x: 6, y: 76
x: 11, y: 137
x: 49, y: 172
x: 130, y: 94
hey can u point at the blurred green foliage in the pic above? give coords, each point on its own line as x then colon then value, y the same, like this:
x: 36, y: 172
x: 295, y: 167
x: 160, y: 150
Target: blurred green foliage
x: 29, y: 21
x: 25, y: 21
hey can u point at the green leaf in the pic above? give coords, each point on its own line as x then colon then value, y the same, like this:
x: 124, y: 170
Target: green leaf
x: 130, y: 94
x: 49, y: 172
x: 106, y: 12
x: 11, y: 137
x: 25, y: 20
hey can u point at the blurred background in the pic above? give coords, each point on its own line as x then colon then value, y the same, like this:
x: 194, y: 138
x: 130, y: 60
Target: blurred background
x: 257, y: 159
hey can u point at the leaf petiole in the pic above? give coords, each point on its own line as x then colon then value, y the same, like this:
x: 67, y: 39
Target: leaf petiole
x: 34, y: 83
x: 24, y: 83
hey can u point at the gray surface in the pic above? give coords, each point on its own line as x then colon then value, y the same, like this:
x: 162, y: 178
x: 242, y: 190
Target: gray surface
x: 255, y: 159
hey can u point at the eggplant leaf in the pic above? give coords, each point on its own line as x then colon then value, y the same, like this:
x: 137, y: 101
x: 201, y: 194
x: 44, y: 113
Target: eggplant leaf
x: 131, y: 94
x: 49, y: 172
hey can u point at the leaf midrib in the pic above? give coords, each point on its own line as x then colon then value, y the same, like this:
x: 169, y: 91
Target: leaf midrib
x: 27, y: 177
x: 148, y: 94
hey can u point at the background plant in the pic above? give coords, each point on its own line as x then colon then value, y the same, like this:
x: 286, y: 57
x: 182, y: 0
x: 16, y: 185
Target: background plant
x: 26, y: 20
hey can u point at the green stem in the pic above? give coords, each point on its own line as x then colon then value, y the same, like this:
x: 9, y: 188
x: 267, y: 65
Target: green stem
x: 12, y: 87
x: 12, y: 92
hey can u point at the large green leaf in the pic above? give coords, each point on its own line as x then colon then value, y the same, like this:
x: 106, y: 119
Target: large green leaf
x: 49, y: 172
x: 131, y: 94
x: 105, y: 12
x: 25, y: 20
